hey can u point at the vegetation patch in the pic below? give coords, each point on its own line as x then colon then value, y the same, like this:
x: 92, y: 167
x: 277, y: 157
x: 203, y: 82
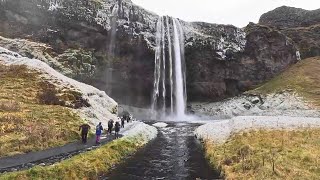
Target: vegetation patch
x: 26, y: 122
x: 276, y: 154
x: 90, y: 165
x: 302, y: 78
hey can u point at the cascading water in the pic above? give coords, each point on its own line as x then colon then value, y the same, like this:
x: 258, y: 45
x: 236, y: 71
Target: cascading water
x: 157, y: 66
x: 113, y: 30
x: 170, y: 63
x: 169, y: 36
x: 179, y: 73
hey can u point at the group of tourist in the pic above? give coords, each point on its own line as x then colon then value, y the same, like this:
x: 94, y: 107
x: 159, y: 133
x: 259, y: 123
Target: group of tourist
x: 99, y: 129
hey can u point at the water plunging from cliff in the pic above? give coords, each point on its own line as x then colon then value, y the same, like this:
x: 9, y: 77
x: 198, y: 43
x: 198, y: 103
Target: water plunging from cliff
x: 179, y: 73
x: 169, y: 36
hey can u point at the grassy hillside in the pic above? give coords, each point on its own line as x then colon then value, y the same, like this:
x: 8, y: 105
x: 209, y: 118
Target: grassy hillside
x: 275, y: 154
x: 268, y: 155
x: 31, y: 115
x: 303, y: 78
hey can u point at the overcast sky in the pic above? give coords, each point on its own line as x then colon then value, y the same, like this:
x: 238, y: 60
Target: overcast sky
x: 236, y: 12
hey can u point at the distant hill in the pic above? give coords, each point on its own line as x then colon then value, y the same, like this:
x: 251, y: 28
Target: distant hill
x: 290, y: 17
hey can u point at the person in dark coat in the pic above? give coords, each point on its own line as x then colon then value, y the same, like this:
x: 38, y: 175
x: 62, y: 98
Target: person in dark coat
x: 122, y: 122
x: 117, y: 129
x: 99, y: 130
x: 128, y: 118
x: 110, y: 126
x: 84, y: 128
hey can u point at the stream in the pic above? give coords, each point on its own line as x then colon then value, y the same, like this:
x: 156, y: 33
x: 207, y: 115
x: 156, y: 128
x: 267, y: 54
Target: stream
x: 174, y: 154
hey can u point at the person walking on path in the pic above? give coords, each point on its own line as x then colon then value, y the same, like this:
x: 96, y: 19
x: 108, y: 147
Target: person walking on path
x: 122, y: 122
x: 128, y: 118
x: 117, y: 129
x: 84, y: 128
x: 110, y: 126
x: 99, y: 129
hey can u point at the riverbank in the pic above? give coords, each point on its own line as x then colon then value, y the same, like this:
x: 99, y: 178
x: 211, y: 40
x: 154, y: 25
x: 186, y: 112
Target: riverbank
x: 263, y: 147
x: 95, y: 163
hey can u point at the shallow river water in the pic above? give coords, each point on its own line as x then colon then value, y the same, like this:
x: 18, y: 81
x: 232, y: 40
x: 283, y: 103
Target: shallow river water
x: 174, y: 154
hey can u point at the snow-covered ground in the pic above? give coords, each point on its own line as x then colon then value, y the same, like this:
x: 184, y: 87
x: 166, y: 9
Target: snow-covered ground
x: 220, y: 131
x: 276, y: 104
x: 138, y: 128
x: 102, y: 106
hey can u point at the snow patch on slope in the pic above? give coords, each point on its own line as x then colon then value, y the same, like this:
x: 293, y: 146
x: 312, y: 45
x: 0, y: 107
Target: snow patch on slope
x: 102, y: 106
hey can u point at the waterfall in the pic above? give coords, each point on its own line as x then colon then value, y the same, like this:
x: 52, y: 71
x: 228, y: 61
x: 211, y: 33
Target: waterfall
x: 113, y: 30
x: 170, y: 63
x: 169, y: 38
x: 179, y: 73
x: 163, y: 69
x: 157, y: 66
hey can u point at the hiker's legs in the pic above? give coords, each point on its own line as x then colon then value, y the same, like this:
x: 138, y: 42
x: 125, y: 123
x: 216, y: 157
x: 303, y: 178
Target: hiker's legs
x: 84, y: 137
x: 97, y: 139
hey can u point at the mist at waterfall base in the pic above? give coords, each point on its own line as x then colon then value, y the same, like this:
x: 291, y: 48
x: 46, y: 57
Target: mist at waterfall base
x: 169, y: 93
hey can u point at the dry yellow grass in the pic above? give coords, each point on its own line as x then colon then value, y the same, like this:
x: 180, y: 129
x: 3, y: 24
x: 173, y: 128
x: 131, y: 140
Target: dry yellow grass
x: 26, y: 124
x: 302, y: 78
x: 276, y: 154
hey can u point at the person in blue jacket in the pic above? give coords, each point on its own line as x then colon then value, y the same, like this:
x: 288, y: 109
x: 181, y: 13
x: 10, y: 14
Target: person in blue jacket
x: 99, y: 130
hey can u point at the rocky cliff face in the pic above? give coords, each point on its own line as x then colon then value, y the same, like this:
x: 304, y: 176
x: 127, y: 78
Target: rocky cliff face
x: 302, y: 26
x: 110, y: 44
x: 266, y: 53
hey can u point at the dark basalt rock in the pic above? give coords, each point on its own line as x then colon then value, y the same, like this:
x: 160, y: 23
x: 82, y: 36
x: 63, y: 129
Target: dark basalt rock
x: 267, y: 52
x: 221, y: 60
